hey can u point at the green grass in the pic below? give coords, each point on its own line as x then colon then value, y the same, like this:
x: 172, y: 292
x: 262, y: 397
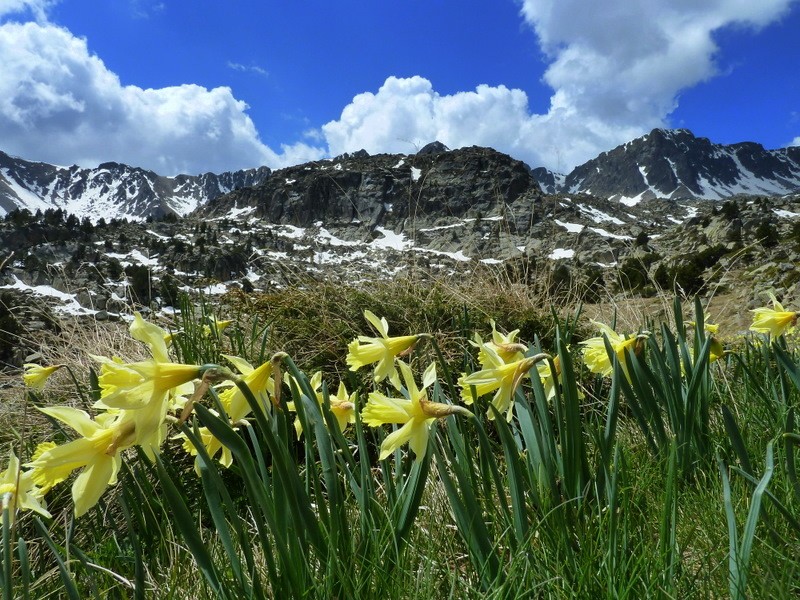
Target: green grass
x: 647, y: 488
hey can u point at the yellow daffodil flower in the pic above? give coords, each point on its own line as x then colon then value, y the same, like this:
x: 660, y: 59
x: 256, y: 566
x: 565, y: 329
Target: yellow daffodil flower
x: 504, y: 345
x: 96, y: 452
x: 497, y: 375
x: 36, y: 375
x: 416, y: 413
x: 546, y: 376
x: 342, y: 405
x: 158, y: 340
x: 236, y: 407
x: 775, y: 321
x: 148, y: 388
x: 215, y: 327
x: 19, y: 491
x: 717, y: 350
x: 144, y: 389
x: 382, y: 350
x: 596, y: 357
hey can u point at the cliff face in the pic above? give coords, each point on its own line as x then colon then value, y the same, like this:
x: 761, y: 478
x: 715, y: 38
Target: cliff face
x: 386, y: 189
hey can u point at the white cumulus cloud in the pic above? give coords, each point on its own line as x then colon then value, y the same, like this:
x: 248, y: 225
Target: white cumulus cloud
x: 60, y: 104
x: 616, y: 69
x: 37, y: 8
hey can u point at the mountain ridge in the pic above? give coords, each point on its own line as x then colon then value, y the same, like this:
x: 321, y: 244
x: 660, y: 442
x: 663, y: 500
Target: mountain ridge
x: 111, y: 190
x: 674, y: 163
x: 665, y: 163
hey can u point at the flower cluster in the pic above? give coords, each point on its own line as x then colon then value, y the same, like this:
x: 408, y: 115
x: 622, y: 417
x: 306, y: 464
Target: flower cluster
x: 505, y: 363
x: 137, y: 400
x: 134, y: 401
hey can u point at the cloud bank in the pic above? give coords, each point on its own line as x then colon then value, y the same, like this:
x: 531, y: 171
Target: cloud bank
x: 60, y: 104
x: 616, y: 69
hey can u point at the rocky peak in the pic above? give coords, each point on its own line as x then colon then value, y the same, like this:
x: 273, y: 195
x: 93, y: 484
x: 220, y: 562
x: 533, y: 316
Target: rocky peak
x: 550, y: 181
x: 677, y: 164
x: 436, y: 147
x: 386, y: 188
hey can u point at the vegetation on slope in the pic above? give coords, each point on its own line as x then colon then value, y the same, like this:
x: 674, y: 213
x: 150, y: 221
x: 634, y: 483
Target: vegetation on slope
x: 661, y: 464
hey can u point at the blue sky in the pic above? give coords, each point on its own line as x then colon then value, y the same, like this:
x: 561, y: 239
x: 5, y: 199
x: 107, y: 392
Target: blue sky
x: 210, y: 86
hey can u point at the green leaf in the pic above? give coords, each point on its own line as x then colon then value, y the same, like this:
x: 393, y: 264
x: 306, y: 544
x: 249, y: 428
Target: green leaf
x: 188, y: 528
x: 66, y: 577
x: 411, y: 495
x: 8, y: 559
x: 516, y: 478
x: 219, y: 502
x: 735, y: 437
x: 469, y: 518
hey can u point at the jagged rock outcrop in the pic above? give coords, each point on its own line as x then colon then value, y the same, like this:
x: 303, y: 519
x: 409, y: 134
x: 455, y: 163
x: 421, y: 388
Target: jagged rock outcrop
x: 386, y: 189
x: 676, y: 164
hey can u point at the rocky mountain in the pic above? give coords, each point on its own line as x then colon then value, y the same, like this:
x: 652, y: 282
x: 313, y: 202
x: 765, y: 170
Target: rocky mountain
x: 670, y: 164
x: 676, y: 164
x: 358, y: 218
x: 111, y: 190
x: 387, y: 189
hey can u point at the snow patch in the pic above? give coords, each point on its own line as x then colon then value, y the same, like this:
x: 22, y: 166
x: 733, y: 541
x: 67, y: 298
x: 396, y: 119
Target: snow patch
x: 571, y: 227
x: 390, y: 240
x: 443, y: 227
x: 238, y: 212
x: 134, y: 257
x: 70, y: 304
x: 155, y: 234
x: 326, y: 236
x: 560, y: 253
x: 598, y: 216
x: 608, y: 234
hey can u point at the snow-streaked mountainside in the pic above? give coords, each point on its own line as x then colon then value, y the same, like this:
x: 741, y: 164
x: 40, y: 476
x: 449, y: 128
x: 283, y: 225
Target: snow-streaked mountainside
x: 360, y: 218
x: 111, y: 190
x: 670, y: 164
x: 676, y: 164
